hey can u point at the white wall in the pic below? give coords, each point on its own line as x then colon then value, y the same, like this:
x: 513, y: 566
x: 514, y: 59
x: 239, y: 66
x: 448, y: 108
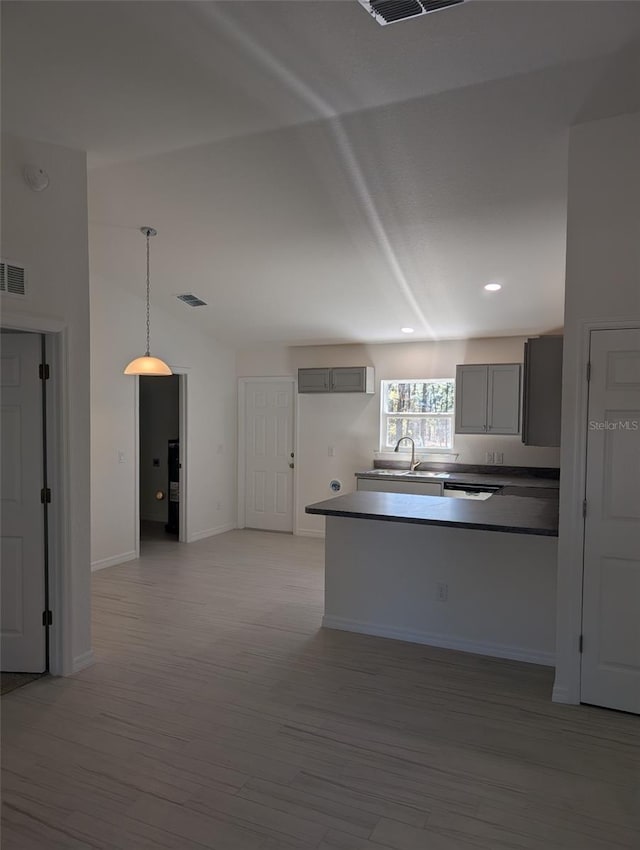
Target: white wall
x: 47, y: 232
x: 602, y: 286
x: 500, y: 587
x: 118, y: 326
x: 159, y: 423
x: 351, y: 423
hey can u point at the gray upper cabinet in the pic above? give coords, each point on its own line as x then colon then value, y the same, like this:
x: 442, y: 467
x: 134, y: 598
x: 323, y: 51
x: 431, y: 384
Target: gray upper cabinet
x: 352, y: 379
x: 488, y: 398
x: 342, y: 379
x: 471, y: 399
x: 503, y: 403
x: 542, y: 391
x: 314, y: 380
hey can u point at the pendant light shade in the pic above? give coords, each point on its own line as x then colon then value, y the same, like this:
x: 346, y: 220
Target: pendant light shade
x: 148, y: 365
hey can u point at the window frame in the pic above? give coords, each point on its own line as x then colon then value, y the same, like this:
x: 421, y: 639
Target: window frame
x: 384, y: 416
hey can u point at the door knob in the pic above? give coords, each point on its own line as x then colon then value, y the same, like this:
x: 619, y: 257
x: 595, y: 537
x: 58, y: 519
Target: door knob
x: 291, y: 466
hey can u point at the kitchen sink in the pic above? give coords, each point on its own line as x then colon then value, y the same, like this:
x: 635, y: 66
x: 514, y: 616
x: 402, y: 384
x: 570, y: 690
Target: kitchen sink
x: 418, y: 473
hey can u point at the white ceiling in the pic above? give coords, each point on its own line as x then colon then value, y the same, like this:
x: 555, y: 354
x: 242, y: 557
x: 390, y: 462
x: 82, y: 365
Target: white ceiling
x: 316, y: 177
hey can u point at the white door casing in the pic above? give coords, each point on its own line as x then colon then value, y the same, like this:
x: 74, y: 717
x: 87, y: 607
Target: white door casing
x: 610, y: 674
x: 22, y: 567
x: 268, y: 454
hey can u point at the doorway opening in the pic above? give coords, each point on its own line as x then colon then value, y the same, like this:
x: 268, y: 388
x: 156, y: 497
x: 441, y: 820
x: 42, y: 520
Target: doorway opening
x: 25, y: 516
x: 159, y: 458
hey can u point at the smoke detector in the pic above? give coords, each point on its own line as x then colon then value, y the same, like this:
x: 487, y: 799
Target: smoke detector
x: 390, y: 11
x: 36, y: 178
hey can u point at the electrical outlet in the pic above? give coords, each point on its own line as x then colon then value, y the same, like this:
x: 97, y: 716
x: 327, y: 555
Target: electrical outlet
x: 121, y: 457
x: 498, y: 457
x: 442, y: 591
x: 489, y: 457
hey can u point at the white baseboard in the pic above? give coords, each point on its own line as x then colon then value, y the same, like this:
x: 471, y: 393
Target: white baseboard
x: 211, y: 532
x: 111, y: 562
x: 82, y: 661
x: 496, y: 650
x: 561, y: 694
x: 309, y: 532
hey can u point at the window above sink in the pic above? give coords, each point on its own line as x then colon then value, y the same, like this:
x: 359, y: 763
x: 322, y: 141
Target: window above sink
x: 422, y: 409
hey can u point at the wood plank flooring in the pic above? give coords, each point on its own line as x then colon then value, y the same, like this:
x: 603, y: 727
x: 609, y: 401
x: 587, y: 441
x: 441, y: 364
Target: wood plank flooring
x: 219, y: 715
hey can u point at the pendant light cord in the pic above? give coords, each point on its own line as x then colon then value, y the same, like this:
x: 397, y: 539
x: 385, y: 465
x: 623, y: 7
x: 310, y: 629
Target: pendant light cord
x: 148, y: 299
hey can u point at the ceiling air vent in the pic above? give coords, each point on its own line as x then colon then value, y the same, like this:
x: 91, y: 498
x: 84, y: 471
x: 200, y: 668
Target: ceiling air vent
x: 12, y: 279
x: 389, y: 11
x: 192, y: 300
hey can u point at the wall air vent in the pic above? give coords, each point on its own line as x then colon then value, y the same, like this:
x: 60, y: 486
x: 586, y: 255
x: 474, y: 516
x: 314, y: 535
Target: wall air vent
x: 12, y: 279
x: 191, y: 300
x: 389, y: 11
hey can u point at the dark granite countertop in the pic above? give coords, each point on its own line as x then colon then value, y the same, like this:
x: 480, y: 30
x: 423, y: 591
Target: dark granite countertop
x: 451, y: 477
x: 510, y: 514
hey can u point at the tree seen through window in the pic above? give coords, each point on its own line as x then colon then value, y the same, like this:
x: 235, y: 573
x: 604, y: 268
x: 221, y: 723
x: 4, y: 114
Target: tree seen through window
x: 420, y: 409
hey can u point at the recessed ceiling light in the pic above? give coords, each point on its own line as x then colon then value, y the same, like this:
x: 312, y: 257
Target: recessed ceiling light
x: 493, y: 287
x: 407, y: 330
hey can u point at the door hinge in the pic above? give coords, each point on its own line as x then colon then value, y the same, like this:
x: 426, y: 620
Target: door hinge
x: 45, y: 495
x: 584, y: 508
x: 47, y: 618
x: 588, y: 371
x: 580, y: 644
x: 44, y: 371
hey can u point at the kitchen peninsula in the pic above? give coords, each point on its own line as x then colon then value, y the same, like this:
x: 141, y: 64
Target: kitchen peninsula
x: 461, y: 574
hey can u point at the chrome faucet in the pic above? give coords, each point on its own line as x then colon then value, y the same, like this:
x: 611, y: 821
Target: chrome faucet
x: 414, y: 464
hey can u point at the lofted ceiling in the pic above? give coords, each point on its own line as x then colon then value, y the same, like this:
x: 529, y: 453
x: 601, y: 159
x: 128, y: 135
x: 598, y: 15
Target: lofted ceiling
x: 318, y: 178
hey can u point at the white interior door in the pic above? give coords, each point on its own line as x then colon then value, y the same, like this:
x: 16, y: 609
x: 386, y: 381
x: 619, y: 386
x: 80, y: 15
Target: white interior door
x: 269, y: 455
x: 611, y: 596
x: 22, y: 634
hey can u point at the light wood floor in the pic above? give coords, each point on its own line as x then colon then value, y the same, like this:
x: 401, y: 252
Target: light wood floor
x: 219, y: 715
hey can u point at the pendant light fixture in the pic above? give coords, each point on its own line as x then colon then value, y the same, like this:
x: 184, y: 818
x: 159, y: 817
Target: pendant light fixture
x: 148, y: 365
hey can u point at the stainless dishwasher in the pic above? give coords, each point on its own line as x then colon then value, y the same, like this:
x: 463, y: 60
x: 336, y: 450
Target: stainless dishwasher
x: 469, y: 491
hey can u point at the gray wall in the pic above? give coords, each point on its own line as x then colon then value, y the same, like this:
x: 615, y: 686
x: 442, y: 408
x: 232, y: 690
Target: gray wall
x: 47, y: 233
x: 603, y: 286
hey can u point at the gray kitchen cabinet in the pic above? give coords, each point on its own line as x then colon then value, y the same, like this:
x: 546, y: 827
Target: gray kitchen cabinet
x: 419, y: 488
x: 340, y: 379
x: 488, y: 398
x: 314, y: 380
x: 471, y: 399
x: 542, y: 391
x: 503, y: 402
x: 352, y: 379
